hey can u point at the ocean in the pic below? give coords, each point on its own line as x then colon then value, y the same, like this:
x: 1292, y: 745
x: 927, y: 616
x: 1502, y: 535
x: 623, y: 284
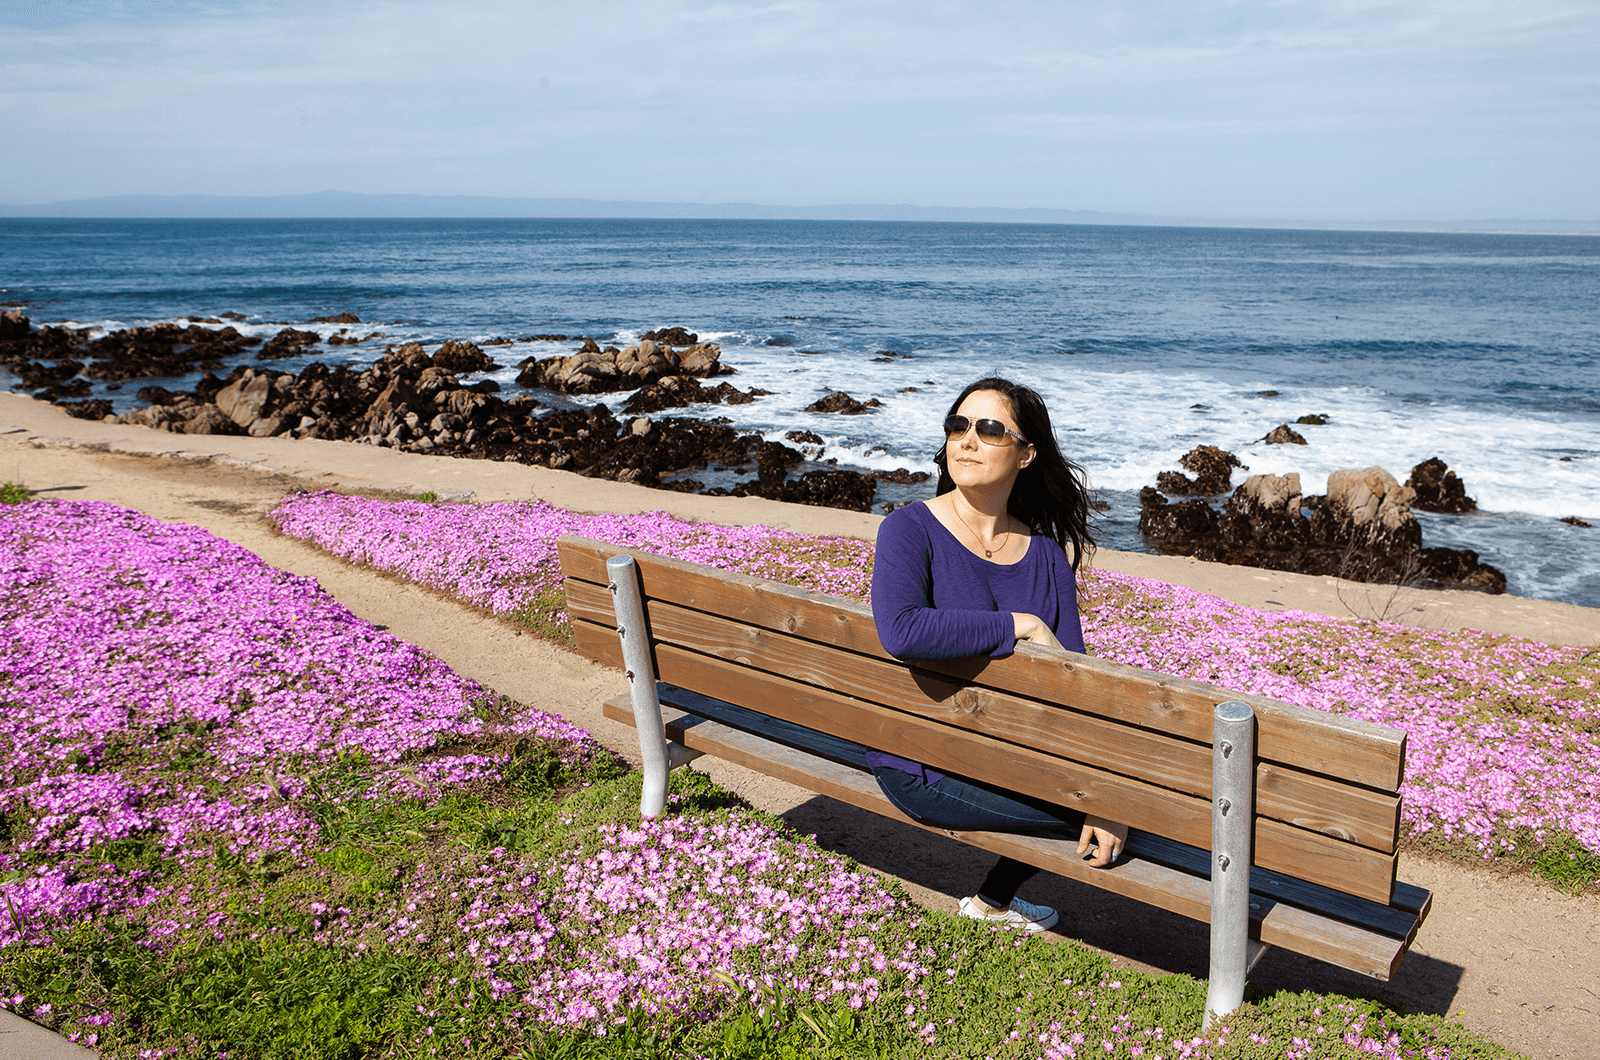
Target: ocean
x: 1479, y: 349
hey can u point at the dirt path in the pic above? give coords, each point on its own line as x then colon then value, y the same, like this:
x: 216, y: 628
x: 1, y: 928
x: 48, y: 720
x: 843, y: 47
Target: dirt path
x: 1507, y: 956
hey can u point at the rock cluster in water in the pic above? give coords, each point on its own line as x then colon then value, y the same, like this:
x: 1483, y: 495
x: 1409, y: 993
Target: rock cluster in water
x: 668, y: 353
x: 1362, y: 529
x: 413, y: 401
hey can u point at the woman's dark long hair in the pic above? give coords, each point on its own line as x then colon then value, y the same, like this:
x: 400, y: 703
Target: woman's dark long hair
x: 1049, y: 496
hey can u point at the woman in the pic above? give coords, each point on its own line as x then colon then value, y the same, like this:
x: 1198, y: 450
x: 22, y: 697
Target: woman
x: 971, y: 572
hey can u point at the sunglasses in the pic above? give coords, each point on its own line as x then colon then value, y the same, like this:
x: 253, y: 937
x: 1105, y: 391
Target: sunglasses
x: 991, y: 431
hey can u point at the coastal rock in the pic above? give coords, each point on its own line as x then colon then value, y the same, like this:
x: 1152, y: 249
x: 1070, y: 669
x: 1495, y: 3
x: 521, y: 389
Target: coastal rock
x: 592, y: 370
x: 1368, y: 510
x: 35, y: 375
x: 1362, y: 530
x: 1179, y: 528
x: 162, y: 350
x: 1438, y: 489
x: 1213, y: 472
x: 13, y: 325
x: 341, y: 318
x: 1283, y: 434
x: 901, y: 476
x: 287, y: 343
x: 679, y: 391
x: 246, y: 400
x: 774, y: 459
x: 463, y: 358
x: 86, y: 410
x: 848, y: 490
x: 840, y: 402
x: 208, y: 419
x: 1458, y: 568
x: 674, y: 336
x: 407, y: 400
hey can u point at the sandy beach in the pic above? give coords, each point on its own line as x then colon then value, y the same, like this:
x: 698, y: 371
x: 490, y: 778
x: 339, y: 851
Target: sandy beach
x: 1507, y: 955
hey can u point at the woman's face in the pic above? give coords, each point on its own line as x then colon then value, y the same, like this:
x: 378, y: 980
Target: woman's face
x: 974, y: 463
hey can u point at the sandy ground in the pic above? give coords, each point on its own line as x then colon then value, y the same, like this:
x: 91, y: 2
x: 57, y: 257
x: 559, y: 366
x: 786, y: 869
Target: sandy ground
x: 1506, y: 955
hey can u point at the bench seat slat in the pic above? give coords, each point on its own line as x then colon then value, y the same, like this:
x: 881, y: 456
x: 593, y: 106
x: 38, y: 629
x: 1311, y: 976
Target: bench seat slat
x: 1274, y: 922
x: 1309, y: 855
x: 1302, y: 799
x: 1367, y: 754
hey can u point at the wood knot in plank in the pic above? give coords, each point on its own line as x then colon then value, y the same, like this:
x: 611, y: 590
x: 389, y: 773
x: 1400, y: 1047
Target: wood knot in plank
x: 968, y: 701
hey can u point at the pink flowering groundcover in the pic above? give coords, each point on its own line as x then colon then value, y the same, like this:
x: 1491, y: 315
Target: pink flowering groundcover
x: 1504, y: 746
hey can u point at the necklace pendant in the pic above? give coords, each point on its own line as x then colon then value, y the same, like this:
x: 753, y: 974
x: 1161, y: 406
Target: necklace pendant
x: 987, y: 554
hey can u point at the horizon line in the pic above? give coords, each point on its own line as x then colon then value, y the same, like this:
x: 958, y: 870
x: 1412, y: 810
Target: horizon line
x: 367, y: 205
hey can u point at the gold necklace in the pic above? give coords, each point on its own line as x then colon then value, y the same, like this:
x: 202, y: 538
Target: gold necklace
x: 987, y: 553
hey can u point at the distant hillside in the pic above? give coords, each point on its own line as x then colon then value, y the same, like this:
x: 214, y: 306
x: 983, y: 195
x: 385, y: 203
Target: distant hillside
x: 356, y: 204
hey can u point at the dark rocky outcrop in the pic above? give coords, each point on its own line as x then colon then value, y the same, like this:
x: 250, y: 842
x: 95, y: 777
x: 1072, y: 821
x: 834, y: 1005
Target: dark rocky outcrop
x: 409, y: 401
x: 679, y: 391
x: 1213, y: 471
x: 901, y: 476
x: 287, y: 343
x: 14, y: 325
x: 134, y: 353
x: 1283, y: 434
x: 1438, y: 489
x: 1363, y: 529
x: 843, y: 403
x: 463, y: 358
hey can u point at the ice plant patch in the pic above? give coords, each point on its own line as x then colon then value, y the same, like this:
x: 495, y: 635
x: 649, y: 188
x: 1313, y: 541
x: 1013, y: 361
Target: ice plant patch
x: 502, y: 556
x: 1504, y: 731
x: 167, y: 690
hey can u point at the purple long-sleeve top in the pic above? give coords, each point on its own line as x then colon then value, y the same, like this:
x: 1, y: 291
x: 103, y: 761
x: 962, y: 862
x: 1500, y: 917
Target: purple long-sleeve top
x: 932, y: 598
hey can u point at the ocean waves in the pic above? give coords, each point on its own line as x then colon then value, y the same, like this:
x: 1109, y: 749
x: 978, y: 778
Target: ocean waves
x: 1478, y: 349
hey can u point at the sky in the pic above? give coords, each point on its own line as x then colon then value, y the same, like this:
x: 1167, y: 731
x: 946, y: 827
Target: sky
x: 1321, y: 111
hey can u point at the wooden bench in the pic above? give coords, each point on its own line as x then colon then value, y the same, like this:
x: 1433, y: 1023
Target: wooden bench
x: 796, y: 685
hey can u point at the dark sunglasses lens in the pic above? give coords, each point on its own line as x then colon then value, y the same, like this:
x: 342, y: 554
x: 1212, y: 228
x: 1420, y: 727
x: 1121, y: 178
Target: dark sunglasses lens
x: 992, y: 431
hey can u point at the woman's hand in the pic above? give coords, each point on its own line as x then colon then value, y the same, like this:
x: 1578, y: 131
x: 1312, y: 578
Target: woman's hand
x: 1107, y: 835
x: 1032, y: 629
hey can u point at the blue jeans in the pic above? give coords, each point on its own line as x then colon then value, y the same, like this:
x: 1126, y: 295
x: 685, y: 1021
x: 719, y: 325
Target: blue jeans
x: 964, y: 805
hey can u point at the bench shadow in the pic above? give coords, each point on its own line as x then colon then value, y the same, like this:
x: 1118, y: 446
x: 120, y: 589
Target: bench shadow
x: 1150, y: 938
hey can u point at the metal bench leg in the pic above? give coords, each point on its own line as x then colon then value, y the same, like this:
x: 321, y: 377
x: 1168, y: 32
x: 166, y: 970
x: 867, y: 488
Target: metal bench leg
x: 660, y: 757
x: 1232, y: 821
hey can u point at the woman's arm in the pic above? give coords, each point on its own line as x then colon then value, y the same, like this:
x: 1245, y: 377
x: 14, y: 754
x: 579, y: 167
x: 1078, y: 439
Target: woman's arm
x: 909, y: 625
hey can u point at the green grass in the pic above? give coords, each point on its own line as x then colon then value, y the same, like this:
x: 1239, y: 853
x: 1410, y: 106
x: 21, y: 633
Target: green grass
x: 15, y: 493
x: 266, y: 989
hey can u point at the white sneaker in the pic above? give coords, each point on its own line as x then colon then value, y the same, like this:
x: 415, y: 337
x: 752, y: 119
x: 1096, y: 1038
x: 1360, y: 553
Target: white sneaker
x: 1025, y: 915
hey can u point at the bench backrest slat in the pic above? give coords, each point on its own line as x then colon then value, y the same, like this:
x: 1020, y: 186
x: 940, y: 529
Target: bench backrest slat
x: 1311, y: 741
x: 1295, y: 797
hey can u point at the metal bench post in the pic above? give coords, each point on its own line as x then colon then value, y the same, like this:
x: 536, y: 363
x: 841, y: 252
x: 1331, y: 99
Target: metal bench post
x: 1232, y: 823
x: 658, y: 755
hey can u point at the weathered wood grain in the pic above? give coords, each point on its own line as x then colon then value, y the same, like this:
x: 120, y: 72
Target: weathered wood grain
x: 1305, y: 800
x: 1309, y: 741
